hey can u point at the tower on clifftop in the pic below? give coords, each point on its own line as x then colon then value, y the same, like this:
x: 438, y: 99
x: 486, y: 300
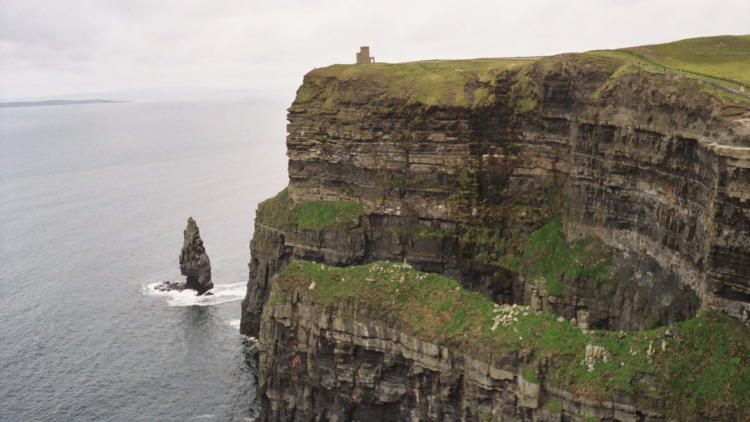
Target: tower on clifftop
x: 363, y: 57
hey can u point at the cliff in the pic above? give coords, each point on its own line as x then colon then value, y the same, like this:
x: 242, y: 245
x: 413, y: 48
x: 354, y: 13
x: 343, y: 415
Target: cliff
x: 610, y: 188
x: 386, y: 342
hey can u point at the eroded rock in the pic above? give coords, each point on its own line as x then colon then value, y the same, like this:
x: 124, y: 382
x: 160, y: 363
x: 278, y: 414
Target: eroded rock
x: 194, y: 262
x: 595, y: 355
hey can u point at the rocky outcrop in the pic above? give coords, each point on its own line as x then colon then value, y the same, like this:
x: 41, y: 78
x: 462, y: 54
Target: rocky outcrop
x: 647, y: 173
x: 383, y: 342
x: 194, y: 262
x: 319, y: 366
x: 646, y: 166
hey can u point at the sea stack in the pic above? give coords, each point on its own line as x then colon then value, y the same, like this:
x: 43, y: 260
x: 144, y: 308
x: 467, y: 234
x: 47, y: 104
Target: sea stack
x: 194, y: 263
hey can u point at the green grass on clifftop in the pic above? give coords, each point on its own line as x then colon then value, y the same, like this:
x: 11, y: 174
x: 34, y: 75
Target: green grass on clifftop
x: 436, y: 82
x: 279, y: 211
x: 722, y: 60
x: 726, y: 57
x: 699, y: 366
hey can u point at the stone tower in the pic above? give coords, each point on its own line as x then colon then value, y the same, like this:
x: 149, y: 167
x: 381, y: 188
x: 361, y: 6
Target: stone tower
x: 363, y: 57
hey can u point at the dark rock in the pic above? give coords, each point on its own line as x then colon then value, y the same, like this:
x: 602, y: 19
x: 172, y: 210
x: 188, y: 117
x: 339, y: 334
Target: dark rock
x: 194, y: 263
x: 170, y: 286
x: 315, y: 365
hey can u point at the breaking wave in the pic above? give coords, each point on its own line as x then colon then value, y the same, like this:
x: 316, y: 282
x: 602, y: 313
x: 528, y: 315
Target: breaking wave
x: 222, y: 293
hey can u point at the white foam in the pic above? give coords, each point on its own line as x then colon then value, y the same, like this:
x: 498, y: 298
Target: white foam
x: 235, y: 323
x: 222, y: 293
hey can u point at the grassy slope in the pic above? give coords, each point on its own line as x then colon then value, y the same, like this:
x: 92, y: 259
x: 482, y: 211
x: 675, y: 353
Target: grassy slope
x: 547, y: 254
x: 314, y: 215
x: 702, y: 365
x: 723, y: 60
x: 725, y: 57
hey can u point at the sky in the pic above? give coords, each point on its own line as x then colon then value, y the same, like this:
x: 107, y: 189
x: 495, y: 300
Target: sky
x: 147, y: 48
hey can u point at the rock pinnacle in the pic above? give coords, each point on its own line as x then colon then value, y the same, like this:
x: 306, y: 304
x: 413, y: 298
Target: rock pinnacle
x: 194, y: 263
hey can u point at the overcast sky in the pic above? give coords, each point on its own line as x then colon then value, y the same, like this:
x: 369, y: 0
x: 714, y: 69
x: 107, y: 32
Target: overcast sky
x: 51, y: 48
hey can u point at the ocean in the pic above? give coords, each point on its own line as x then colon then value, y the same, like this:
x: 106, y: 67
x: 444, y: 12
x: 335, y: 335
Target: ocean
x: 93, y: 202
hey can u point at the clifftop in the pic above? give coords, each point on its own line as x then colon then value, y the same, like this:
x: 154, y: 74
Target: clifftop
x: 705, y: 74
x: 435, y: 82
x: 723, y: 57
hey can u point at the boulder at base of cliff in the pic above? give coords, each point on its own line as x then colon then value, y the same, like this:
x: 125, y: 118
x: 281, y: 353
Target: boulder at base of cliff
x: 194, y: 263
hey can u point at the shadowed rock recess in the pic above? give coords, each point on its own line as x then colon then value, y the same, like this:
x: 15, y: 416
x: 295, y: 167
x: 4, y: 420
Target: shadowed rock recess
x: 607, y: 198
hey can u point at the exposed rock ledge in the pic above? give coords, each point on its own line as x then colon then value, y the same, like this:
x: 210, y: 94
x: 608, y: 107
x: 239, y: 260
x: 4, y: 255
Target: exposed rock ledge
x: 323, y: 367
x: 342, y: 361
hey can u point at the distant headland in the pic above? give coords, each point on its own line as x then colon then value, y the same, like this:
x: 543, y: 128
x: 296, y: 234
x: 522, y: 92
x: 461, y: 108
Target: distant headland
x: 55, y: 103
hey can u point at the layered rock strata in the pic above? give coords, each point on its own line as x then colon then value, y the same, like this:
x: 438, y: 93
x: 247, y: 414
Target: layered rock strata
x: 320, y: 366
x: 650, y: 173
x: 650, y: 169
x: 386, y: 342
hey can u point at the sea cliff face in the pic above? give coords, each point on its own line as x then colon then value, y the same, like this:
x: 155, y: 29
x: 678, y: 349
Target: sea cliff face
x: 386, y: 342
x: 577, y: 185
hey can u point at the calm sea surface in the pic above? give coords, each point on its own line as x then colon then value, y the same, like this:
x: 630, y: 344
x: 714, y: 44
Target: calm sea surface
x: 93, y: 201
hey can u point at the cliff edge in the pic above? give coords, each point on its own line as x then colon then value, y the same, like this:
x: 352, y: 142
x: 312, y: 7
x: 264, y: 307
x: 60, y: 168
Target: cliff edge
x: 605, y: 191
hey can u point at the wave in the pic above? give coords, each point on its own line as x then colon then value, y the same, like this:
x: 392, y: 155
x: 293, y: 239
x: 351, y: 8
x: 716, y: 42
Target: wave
x: 222, y: 293
x: 235, y: 323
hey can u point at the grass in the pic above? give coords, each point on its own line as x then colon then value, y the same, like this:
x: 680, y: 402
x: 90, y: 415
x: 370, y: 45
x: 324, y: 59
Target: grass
x: 720, y: 368
x: 702, y: 368
x: 723, y: 57
x: 279, y: 211
x: 529, y: 374
x: 548, y: 255
x: 276, y: 211
x: 316, y: 215
x: 435, y: 82
x: 415, y: 301
x: 526, y: 104
x: 553, y: 405
x: 718, y: 59
x: 723, y: 60
x: 525, y: 91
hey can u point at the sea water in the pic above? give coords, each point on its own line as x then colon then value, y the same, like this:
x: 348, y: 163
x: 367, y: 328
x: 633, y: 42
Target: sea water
x: 93, y: 201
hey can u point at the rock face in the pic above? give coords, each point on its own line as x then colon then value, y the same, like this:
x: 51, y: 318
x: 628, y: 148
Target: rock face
x: 648, y: 175
x: 194, y: 262
x: 317, y: 366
